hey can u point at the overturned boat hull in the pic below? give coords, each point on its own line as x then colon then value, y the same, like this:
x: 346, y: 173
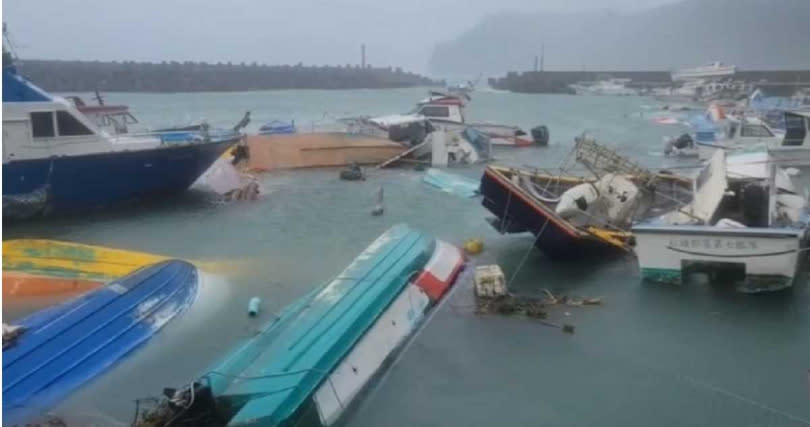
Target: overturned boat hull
x: 82, y: 182
x: 310, y: 363
x: 318, y: 149
x: 64, y: 346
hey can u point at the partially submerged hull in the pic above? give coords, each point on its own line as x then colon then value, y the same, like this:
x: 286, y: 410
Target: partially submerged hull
x: 318, y: 149
x: 38, y: 267
x: 309, y: 364
x: 64, y: 346
x: 765, y: 259
x: 517, y: 210
x: 502, y: 135
x: 72, y: 260
x: 82, y: 182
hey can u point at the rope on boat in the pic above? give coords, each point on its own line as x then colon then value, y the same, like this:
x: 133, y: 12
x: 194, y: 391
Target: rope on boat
x: 526, y: 255
x: 542, y: 229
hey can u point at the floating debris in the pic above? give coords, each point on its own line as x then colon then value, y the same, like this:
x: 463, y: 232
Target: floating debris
x: 378, y: 208
x: 352, y: 172
x: 451, y: 183
x: 10, y: 334
x: 493, y: 297
x: 474, y: 246
x: 254, y: 306
x: 489, y: 281
x: 249, y: 191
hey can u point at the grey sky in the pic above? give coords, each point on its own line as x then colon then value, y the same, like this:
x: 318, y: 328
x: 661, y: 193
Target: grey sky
x: 400, y: 33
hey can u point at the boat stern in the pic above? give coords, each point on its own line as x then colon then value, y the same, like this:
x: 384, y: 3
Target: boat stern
x: 757, y: 259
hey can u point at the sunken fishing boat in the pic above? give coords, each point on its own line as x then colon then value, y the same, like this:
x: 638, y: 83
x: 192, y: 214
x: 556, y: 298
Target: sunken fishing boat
x: 573, y: 216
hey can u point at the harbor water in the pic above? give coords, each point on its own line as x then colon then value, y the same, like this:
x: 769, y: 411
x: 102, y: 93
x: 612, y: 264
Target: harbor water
x: 651, y: 354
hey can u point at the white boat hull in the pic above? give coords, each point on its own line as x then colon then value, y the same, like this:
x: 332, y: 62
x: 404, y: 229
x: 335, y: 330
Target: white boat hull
x: 503, y: 135
x: 704, y: 72
x: 389, y: 333
x: 768, y: 257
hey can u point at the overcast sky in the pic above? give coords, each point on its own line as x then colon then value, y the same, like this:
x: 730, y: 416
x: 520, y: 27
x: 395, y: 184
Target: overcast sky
x: 400, y: 33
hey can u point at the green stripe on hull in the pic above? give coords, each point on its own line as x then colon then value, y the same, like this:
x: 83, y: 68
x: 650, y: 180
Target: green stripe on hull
x: 662, y: 275
x: 755, y: 283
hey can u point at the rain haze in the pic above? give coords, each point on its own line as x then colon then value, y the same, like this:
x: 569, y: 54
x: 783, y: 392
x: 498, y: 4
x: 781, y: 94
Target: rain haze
x: 280, y: 32
x: 406, y: 213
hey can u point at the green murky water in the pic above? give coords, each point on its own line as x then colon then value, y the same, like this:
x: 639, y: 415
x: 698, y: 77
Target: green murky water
x: 651, y: 355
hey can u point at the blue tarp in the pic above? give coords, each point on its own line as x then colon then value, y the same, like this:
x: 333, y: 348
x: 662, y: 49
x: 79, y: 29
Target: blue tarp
x: 705, y: 129
x: 277, y: 127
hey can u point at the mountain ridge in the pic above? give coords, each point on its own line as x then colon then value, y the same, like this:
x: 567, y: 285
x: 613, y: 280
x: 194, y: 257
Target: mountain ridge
x: 752, y: 34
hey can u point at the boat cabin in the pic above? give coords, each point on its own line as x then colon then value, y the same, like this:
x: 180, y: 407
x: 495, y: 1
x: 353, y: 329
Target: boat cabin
x: 796, y: 129
x: 440, y: 107
x: 115, y: 118
x: 37, y: 125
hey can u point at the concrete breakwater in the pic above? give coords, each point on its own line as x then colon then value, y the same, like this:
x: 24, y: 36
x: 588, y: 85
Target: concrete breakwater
x: 558, y: 81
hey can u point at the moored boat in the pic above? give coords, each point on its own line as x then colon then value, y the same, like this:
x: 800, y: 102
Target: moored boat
x: 310, y: 363
x: 749, y: 227
x: 63, y: 347
x: 712, y: 70
x: 57, y: 160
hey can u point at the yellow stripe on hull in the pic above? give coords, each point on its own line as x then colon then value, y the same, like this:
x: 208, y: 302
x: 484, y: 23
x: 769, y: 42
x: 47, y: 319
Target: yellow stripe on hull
x: 72, y: 260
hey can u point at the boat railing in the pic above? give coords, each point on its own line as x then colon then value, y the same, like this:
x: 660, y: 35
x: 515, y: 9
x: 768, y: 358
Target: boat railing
x: 600, y: 159
x: 173, y: 137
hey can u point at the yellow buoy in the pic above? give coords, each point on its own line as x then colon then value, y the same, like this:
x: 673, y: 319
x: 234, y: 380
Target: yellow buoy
x: 473, y: 246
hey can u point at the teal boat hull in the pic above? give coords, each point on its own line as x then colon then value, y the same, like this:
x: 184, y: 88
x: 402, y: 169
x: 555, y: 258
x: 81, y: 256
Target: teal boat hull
x: 285, y: 372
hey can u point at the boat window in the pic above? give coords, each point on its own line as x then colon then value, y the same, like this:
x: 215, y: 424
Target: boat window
x: 755, y: 131
x: 732, y: 129
x: 42, y: 125
x: 70, y: 126
x: 435, y: 111
x: 795, y: 129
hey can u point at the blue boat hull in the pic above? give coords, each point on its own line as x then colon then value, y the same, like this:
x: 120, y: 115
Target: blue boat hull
x: 67, y: 345
x: 77, y: 183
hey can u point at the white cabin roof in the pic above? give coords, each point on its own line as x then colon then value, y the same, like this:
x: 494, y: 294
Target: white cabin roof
x: 397, y: 119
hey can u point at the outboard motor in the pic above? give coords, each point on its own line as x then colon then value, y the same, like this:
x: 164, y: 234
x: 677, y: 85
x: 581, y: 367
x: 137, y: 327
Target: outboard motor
x: 755, y: 205
x: 414, y: 133
x: 682, y: 142
x: 540, y: 135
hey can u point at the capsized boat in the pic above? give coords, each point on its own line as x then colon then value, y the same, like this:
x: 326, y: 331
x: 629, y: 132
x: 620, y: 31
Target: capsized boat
x: 748, y: 227
x: 57, y: 160
x: 65, y: 346
x: 446, y: 111
x: 310, y: 362
x: 573, y: 216
x: 38, y: 267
